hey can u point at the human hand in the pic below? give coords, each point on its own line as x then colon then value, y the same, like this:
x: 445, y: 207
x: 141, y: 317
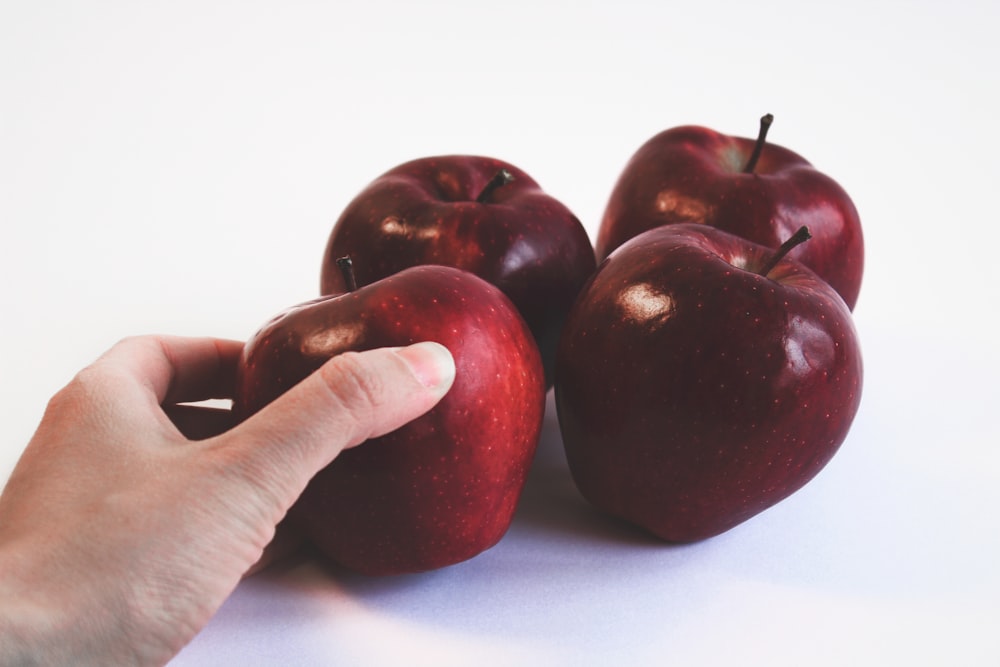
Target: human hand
x: 120, y: 537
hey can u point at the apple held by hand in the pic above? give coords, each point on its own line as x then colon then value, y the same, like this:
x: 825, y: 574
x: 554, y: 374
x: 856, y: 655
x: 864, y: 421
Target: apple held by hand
x: 753, y: 189
x: 698, y: 382
x: 474, y: 213
x: 442, y: 488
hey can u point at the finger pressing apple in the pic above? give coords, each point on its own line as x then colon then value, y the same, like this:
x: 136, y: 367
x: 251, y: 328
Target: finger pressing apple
x: 443, y: 487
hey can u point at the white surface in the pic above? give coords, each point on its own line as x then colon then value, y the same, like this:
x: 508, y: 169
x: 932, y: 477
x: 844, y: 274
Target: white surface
x: 176, y: 167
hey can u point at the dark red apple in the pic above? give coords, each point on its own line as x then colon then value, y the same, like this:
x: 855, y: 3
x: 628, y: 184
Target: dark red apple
x: 444, y: 487
x: 696, y: 385
x: 751, y: 188
x: 475, y: 213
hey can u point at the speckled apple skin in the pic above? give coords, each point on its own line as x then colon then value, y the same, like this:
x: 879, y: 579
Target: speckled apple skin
x: 694, y: 174
x: 444, y: 487
x: 693, y: 394
x: 521, y: 239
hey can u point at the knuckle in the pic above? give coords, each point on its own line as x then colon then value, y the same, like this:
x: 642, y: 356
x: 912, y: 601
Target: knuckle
x: 357, y: 392
x: 123, y: 345
x: 90, y: 384
x: 82, y: 402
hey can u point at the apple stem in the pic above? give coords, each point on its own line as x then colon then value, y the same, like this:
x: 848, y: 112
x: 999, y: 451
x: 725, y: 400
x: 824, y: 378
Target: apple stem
x: 800, y: 236
x: 765, y: 125
x: 346, y: 267
x: 501, y: 178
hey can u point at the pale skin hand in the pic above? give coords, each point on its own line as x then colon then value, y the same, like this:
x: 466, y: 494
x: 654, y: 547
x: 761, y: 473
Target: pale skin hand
x: 120, y: 537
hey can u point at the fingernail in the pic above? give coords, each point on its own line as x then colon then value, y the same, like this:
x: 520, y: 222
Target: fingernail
x: 431, y: 363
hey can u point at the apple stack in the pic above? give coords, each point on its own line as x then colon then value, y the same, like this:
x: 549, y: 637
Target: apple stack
x: 704, y: 371
x: 710, y: 367
x: 466, y: 251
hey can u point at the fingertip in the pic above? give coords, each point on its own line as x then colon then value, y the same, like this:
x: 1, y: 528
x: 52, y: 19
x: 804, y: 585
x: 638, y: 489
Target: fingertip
x: 431, y: 364
x: 351, y: 398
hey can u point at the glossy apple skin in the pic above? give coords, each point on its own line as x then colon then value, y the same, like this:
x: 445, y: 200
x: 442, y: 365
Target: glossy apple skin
x: 694, y: 174
x: 522, y: 240
x: 442, y: 488
x: 693, y: 394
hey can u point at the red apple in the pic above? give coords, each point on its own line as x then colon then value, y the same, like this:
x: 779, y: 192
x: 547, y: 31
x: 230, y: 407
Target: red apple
x: 753, y: 189
x: 444, y: 487
x: 696, y: 385
x: 474, y: 213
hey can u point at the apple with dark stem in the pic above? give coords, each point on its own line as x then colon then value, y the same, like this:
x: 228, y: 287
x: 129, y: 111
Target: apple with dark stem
x: 748, y: 187
x: 444, y: 487
x: 474, y: 213
x: 702, y: 378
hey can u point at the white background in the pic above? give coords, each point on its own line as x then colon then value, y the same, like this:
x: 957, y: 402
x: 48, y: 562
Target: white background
x: 176, y: 167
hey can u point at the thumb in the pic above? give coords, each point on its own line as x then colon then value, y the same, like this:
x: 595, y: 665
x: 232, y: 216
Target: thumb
x: 351, y: 398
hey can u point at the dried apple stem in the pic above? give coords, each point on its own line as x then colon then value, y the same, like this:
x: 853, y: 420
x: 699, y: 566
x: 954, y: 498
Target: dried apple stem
x: 346, y: 267
x: 800, y: 236
x: 500, y: 179
x: 765, y: 125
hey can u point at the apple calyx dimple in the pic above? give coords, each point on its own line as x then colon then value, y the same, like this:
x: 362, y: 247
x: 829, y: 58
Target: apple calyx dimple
x: 500, y: 179
x: 346, y: 266
x: 800, y: 236
x: 765, y: 125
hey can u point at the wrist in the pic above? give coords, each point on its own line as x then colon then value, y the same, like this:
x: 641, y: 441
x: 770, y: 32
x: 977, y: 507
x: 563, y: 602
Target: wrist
x: 35, y: 627
x: 51, y: 615
x: 20, y: 643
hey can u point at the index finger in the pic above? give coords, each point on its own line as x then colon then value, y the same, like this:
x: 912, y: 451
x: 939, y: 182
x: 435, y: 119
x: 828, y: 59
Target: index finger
x: 178, y: 369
